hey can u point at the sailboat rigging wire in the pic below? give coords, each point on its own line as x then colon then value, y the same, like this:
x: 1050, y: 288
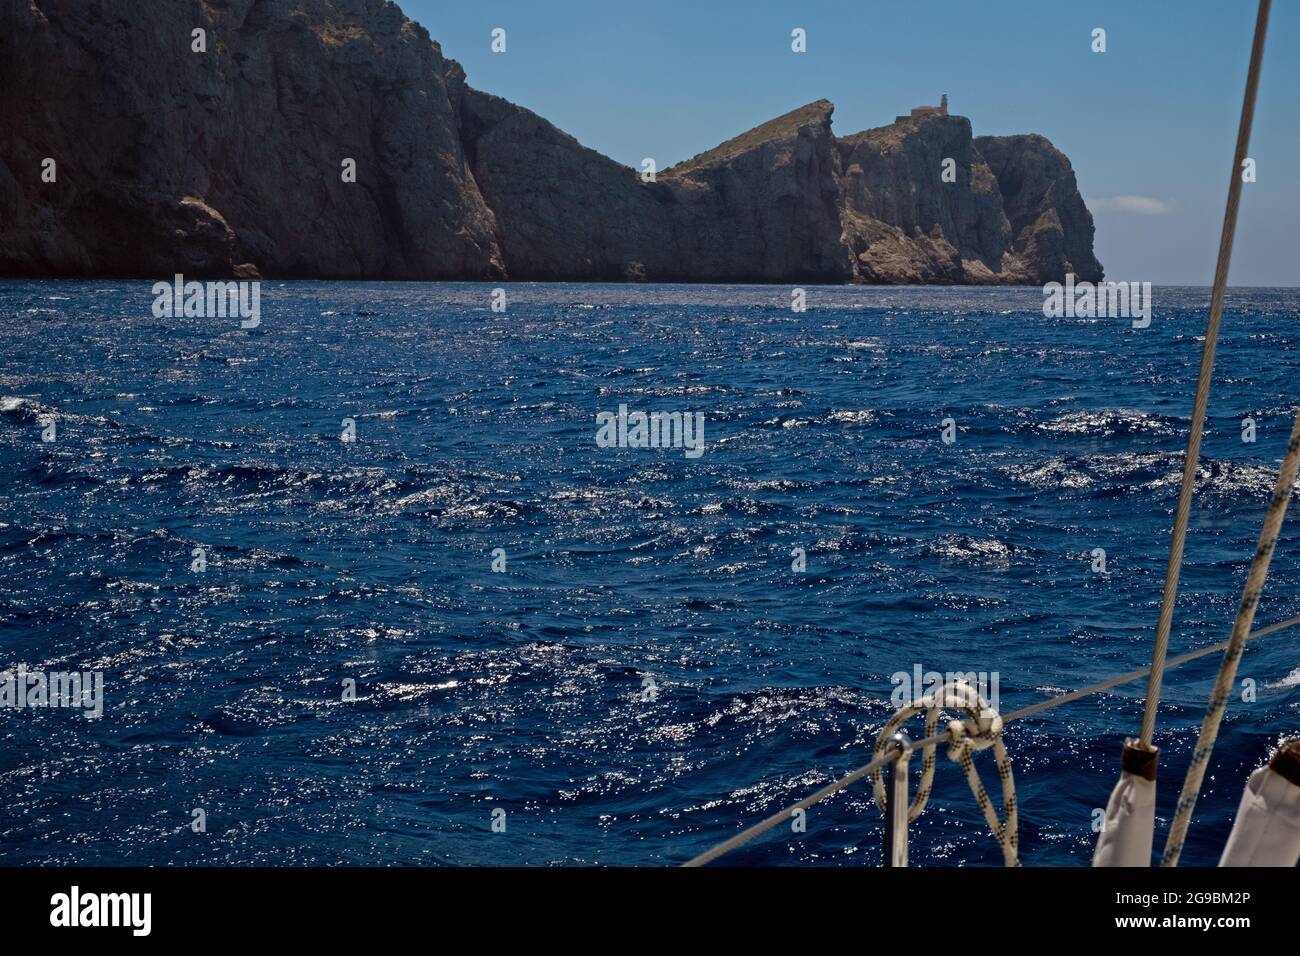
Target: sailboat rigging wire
x: 783, y: 816
x: 744, y: 836
x: 1250, y: 595
x: 1138, y: 674
x: 1190, y: 463
x: 1259, y: 568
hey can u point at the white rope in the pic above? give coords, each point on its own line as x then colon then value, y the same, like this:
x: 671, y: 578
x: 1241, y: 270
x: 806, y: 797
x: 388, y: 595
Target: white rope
x: 1250, y: 595
x: 744, y: 836
x: 959, y: 749
x: 981, y: 730
x: 1175, y: 563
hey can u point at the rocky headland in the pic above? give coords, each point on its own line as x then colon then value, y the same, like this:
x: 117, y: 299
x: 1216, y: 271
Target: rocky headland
x: 229, y: 162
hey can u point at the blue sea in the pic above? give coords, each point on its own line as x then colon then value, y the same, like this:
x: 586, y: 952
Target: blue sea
x: 348, y: 680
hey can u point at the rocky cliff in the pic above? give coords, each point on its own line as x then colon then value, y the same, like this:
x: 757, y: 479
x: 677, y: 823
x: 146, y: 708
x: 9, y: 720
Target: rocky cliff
x: 174, y: 160
x: 230, y: 160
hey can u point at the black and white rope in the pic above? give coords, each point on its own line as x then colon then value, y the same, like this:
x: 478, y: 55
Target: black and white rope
x: 1223, y: 684
x: 981, y: 730
x: 878, y: 762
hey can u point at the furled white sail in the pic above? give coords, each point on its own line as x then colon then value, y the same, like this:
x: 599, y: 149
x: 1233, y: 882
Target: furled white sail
x: 1128, y: 830
x: 1267, y: 829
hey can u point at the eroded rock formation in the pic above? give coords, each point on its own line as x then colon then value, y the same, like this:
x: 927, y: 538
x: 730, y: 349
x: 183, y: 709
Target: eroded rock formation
x: 229, y: 162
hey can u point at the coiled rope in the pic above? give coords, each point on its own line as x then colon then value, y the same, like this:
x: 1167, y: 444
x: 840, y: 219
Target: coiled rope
x: 1250, y: 595
x: 981, y: 730
x: 1191, y: 462
x: 846, y: 781
x: 1159, y: 663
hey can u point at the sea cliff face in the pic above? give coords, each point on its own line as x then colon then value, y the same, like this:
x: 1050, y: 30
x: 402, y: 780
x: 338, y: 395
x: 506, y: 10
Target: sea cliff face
x: 230, y: 161
x: 171, y: 160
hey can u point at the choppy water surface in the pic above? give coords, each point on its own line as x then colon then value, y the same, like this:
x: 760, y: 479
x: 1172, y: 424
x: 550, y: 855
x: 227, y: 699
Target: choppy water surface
x: 526, y: 690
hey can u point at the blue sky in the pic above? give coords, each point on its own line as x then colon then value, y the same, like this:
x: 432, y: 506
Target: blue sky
x: 1149, y: 125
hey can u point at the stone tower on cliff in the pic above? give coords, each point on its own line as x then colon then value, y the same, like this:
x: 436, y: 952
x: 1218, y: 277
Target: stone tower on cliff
x: 922, y: 111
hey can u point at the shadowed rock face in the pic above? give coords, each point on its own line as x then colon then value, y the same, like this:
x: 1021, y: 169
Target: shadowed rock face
x: 904, y: 224
x: 1051, y: 228
x: 765, y: 210
x: 230, y: 161
x: 171, y: 160
x: 1013, y: 214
